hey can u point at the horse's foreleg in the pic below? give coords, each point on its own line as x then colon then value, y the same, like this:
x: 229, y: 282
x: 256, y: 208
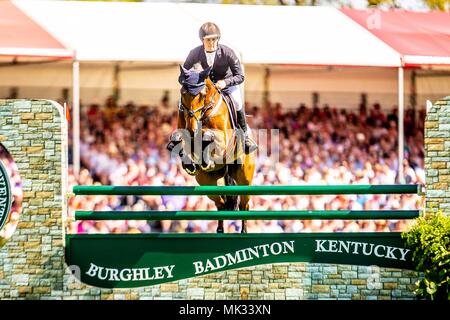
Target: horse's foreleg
x: 181, y: 121
x: 177, y: 137
x: 244, y: 206
x: 244, y: 177
x: 220, y: 204
x: 220, y: 226
x: 211, y: 179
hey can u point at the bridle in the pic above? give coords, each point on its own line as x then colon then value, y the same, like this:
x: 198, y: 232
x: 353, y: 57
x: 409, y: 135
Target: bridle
x: 204, y: 118
x: 211, y: 105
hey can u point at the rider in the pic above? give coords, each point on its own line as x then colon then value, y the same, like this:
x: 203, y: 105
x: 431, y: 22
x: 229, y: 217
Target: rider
x: 226, y: 72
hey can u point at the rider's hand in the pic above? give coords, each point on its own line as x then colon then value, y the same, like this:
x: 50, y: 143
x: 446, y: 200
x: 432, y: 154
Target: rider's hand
x: 221, y: 84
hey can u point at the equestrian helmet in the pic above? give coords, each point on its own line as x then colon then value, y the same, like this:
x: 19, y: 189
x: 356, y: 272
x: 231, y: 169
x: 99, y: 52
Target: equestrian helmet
x: 209, y: 30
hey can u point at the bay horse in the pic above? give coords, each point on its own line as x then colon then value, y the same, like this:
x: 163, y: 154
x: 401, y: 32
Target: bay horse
x: 208, y: 143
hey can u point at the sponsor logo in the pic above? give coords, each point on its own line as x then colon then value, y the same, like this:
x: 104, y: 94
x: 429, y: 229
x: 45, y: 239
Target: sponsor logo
x: 5, y: 196
x: 364, y: 248
x: 216, y: 263
x: 130, y: 274
x: 247, y: 254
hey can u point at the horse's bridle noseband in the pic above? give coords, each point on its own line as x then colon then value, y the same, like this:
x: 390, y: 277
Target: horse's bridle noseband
x: 203, y: 109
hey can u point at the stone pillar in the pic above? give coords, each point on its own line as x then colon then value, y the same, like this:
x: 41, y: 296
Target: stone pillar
x: 32, y: 264
x: 437, y: 156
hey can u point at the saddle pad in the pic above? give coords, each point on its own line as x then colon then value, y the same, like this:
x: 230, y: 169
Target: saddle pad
x: 231, y: 109
x: 234, y: 144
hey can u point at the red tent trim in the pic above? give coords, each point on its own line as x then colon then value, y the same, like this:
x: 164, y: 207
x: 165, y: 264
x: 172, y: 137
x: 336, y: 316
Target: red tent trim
x: 21, y: 36
x: 422, y: 38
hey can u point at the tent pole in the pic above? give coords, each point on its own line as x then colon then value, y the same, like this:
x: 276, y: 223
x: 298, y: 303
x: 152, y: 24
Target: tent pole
x: 76, y: 119
x: 413, y: 96
x: 401, y: 178
x: 266, y: 81
x: 116, y: 85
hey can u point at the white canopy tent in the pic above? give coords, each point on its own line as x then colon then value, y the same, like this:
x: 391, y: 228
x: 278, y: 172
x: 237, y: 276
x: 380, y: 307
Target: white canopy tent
x: 165, y: 32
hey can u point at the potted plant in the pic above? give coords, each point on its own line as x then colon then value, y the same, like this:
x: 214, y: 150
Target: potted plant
x: 428, y: 237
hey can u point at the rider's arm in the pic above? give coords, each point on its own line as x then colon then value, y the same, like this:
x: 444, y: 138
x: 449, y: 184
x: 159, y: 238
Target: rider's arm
x: 236, y: 69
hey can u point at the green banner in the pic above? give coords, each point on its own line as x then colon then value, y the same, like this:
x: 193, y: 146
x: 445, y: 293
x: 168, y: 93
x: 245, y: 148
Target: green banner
x: 136, y: 260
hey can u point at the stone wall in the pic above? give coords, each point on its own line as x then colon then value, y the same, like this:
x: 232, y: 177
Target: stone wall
x: 32, y: 262
x: 283, y: 281
x: 437, y: 156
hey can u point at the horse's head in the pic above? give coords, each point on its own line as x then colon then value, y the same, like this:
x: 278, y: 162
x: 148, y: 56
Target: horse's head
x: 199, y: 100
x: 198, y: 95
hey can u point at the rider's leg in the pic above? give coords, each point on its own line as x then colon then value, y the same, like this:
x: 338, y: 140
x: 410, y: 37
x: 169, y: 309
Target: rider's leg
x: 249, y: 144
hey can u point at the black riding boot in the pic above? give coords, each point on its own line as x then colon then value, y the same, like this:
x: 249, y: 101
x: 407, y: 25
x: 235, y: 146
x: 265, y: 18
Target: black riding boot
x: 249, y: 144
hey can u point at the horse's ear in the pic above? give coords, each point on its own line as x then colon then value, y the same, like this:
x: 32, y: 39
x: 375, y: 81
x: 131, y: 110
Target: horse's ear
x: 183, y: 69
x: 183, y: 72
x: 205, y: 73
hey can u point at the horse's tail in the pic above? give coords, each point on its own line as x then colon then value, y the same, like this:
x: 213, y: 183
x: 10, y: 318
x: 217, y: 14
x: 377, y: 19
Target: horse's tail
x: 231, y: 202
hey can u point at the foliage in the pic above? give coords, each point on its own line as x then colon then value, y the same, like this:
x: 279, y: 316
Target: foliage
x: 272, y: 2
x: 376, y: 3
x: 428, y: 237
x: 442, y: 5
x: 111, y: 0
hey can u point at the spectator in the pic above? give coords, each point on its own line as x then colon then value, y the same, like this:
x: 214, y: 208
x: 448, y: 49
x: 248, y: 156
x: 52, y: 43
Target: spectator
x: 317, y: 146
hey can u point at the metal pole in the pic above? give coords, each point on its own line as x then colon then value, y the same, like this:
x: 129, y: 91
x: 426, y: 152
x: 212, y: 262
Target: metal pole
x: 246, y: 190
x: 401, y: 178
x: 116, y: 84
x: 266, y: 89
x: 247, y: 215
x: 76, y: 119
x: 413, y: 96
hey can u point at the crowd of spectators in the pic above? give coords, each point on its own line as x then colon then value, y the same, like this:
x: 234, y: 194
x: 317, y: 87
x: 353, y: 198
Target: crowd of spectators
x: 322, y: 145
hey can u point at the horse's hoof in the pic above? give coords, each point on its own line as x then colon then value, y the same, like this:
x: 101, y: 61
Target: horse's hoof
x: 219, y: 230
x: 190, y: 169
x: 207, y: 167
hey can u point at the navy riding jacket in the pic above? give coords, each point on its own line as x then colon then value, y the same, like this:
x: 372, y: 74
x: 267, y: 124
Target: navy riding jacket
x: 226, y: 65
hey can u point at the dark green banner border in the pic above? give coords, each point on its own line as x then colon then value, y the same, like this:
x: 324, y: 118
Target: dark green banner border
x: 5, y: 216
x: 136, y: 260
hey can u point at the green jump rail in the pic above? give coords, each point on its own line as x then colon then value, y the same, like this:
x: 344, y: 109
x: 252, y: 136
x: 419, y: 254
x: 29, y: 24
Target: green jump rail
x: 247, y: 190
x: 247, y: 215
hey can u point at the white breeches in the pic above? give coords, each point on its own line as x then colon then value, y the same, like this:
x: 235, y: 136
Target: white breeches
x: 235, y: 93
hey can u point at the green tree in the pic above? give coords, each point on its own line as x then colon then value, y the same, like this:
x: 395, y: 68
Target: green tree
x: 112, y: 0
x: 377, y: 3
x: 428, y: 237
x: 443, y: 5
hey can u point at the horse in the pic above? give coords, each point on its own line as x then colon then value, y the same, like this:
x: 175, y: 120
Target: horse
x: 208, y: 145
